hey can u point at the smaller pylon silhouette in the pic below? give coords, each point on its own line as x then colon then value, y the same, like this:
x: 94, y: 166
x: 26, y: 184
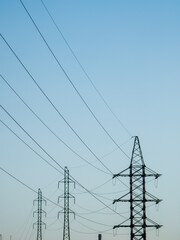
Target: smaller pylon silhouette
x: 138, y: 196
x: 39, y: 214
x: 66, y: 196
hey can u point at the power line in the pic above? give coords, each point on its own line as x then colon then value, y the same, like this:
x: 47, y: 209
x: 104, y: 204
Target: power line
x: 49, y: 130
x: 103, y: 197
x: 56, y: 161
x: 105, y: 155
x: 34, y: 191
x: 59, y: 113
x: 62, y: 141
x: 89, y: 227
x: 83, y: 69
x: 97, y: 186
x: 21, y: 182
x: 90, y: 211
x: 105, y: 232
x: 70, y: 81
x: 48, y: 161
x: 81, y: 232
x: 24, y: 226
x: 30, y: 147
x: 31, y: 137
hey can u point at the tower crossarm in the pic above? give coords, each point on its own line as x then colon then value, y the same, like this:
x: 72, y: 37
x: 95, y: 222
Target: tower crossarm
x: 121, y: 174
x: 70, y: 211
x: 153, y: 198
x: 150, y: 199
x: 63, y: 196
x: 151, y: 173
x: 122, y: 224
x: 118, y: 226
x: 121, y: 199
x: 151, y: 223
x: 157, y: 226
x: 39, y: 211
x: 42, y: 224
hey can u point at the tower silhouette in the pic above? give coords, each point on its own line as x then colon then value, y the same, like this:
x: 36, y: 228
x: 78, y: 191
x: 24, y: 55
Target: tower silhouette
x: 138, y: 196
x: 66, y: 196
x: 39, y: 213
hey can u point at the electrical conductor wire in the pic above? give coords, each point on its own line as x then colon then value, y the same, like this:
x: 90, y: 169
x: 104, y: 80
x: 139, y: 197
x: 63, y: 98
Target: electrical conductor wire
x: 72, y: 150
x: 83, y: 69
x: 70, y: 81
x: 59, y: 113
x: 56, y: 161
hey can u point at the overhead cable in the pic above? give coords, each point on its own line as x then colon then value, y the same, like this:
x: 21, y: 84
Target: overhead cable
x: 55, y: 160
x: 52, y: 104
x: 83, y: 69
x: 30, y: 147
x: 70, y: 81
x: 35, y: 114
x: 47, y: 199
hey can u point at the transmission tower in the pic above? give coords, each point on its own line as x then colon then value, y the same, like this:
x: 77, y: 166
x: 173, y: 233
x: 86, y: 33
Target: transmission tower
x: 66, y: 196
x: 39, y: 214
x: 138, y: 196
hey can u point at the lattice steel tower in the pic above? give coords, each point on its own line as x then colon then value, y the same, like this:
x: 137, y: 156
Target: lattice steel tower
x: 39, y: 213
x: 138, y: 196
x: 66, y: 196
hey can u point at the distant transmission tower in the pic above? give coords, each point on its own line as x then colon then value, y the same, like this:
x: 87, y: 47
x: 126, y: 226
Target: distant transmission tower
x: 66, y: 196
x: 39, y: 213
x: 138, y: 196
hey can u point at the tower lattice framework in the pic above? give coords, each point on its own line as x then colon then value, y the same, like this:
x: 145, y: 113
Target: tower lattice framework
x: 39, y: 214
x: 138, y: 196
x: 66, y: 196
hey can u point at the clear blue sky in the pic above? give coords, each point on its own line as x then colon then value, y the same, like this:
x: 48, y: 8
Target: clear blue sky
x: 131, y: 51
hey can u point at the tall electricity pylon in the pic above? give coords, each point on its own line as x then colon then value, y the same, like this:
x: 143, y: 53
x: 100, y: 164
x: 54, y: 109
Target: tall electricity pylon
x: 66, y: 196
x: 39, y: 213
x: 138, y: 196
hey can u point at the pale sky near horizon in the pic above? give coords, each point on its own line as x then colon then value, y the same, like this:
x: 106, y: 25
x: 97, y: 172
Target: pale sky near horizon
x: 131, y: 52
